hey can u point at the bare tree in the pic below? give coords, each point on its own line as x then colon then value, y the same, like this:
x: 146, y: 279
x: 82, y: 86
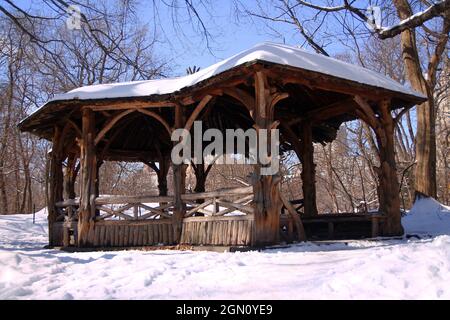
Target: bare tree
x: 423, y: 28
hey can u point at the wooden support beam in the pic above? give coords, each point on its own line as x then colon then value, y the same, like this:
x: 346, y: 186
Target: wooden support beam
x: 388, y: 187
x: 308, y: 170
x: 267, y: 201
x: 202, y: 104
x: 243, y: 97
x: 88, y: 163
x: 56, y: 181
x: 111, y: 124
x: 179, y: 182
x: 296, y: 217
x: 70, y: 176
x: 126, y: 105
x: 156, y: 116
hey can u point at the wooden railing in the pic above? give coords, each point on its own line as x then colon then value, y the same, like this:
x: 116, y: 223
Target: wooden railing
x: 214, y: 203
x: 67, y: 209
x: 134, y: 207
x: 219, y: 203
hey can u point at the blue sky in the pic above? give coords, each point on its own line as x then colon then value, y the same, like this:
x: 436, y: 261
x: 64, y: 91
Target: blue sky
x: 185, y: 46
x: 228, y: 36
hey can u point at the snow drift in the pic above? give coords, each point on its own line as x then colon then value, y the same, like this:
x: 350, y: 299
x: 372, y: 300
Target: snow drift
x: 427, y: 217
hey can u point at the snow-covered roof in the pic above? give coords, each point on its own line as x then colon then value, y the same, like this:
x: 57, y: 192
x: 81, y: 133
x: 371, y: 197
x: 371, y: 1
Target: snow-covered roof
x: 269, y: 52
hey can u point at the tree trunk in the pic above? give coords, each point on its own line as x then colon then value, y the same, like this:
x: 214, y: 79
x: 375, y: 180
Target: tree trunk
x: 425, y: 172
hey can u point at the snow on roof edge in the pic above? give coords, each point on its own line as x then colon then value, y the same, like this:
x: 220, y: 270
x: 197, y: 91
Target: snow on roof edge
x: 265, y: 52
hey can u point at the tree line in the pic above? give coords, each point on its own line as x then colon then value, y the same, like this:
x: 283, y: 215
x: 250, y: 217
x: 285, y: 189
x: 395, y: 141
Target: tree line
x: 40, y: 58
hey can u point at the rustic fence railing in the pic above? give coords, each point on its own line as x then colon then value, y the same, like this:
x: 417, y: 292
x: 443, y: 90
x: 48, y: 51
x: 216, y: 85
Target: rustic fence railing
x: 219, y: 203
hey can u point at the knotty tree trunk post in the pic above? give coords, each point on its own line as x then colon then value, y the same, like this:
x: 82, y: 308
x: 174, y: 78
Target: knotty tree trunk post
x: 164, y: 164
x: 88, y: 164
x: 267, y: 201
x: 387, y: 173
x: 70, y: 176
x: 308, y: 170
x: 200, y: 177
x: 201, y: 174
x: 55, y: 182
x: 179, y: 183
x: 383, y: 126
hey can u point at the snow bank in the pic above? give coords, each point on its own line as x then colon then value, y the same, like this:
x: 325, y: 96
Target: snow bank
x: 427, y: 217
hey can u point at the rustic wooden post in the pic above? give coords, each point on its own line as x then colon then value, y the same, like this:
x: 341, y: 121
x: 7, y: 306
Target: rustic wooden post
x: 267, y: 201
x: 70, y: 176
x: 308, y: 170
x: 55, y: 182
x: 389, y: 197
x: 179, y: 182
x: 88, y: 163
x: 164, y: 164
x: 388, y: 187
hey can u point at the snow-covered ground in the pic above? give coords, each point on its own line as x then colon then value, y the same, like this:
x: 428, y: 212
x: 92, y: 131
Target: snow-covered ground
x: 418, y: 267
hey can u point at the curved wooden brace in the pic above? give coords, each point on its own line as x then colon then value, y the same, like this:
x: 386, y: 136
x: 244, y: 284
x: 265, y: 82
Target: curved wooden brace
x: 114, y: 135
x: 243, y: 97
x: 110, y: 124
x: 202, y: 104
x: 276, y: 97
x: 75, y: 127
x: 157, y: 117
x: 64, y: 131
x: 365, y: 108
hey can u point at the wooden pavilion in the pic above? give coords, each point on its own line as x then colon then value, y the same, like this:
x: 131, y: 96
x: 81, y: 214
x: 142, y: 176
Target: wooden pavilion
x: 305, y: 95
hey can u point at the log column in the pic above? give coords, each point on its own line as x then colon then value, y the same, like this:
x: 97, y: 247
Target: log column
x: 161, y: 171
x: 88, y: 167
x: 179, y: 182
x: 56, y: 181
x: 267, y: 201
x: 164, y: 164
x: 383, y: 125
x: 388, y: 192
x: 308, y: 170
x: 70, y: 176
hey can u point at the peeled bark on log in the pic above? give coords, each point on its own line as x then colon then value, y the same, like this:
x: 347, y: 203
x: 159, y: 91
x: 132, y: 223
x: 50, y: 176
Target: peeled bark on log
x: 179, y: 184
x: 70, y: 176
x: 308, y: 171
x: 388, y: 181
x: 88, y: 160
x: 296, y: 217
x: 267, y: 201
x: 388, y: 187
x: 55, y: 182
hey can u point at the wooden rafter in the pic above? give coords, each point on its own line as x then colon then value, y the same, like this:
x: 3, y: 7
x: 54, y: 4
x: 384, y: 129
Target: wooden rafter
x: 111, y: 124
x: 157, y: 117
x: 202, y: 104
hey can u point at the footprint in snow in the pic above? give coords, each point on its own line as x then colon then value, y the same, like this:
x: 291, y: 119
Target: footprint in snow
x: 148, y: 281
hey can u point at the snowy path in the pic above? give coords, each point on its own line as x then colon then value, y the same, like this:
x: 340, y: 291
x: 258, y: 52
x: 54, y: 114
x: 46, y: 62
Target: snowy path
x: 403, y: 269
